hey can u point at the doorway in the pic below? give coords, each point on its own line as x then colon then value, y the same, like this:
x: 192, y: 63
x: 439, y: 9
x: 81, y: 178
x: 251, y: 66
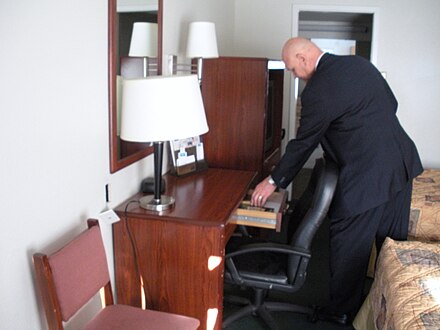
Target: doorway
x: 340, y: 30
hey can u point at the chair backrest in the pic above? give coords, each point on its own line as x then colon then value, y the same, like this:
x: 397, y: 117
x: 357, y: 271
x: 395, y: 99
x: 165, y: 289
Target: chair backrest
x: 70, y: 277
x: 313, y: 207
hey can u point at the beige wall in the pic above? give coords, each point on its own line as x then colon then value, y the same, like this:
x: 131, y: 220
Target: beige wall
x: 178, y: 14
x: 54, y: 138
x: 54, y: 110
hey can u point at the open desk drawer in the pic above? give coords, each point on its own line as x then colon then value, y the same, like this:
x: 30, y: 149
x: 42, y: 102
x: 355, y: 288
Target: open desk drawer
x: 269, y: 216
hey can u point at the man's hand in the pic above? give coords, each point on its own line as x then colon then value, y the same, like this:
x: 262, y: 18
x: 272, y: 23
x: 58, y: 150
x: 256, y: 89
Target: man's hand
x: 262, y: 192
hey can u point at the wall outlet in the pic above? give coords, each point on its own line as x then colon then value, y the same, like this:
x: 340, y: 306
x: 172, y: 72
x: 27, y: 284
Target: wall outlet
x: 108, y: 217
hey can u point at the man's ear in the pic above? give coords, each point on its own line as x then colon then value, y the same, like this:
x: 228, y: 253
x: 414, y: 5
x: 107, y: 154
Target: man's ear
x: 301, y: 58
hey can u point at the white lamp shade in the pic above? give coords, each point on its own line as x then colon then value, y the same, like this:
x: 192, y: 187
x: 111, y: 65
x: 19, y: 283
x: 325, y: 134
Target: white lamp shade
x: 202, y: 40
x: 143, y: 40
x: 162, y: 108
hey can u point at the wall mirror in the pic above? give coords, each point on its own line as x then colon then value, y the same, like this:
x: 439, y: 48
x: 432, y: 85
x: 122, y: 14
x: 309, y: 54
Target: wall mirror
x: 122, y: 15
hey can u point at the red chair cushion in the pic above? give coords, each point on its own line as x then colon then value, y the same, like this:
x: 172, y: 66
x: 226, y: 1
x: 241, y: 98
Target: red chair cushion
x: 122, y: 317
x: 79, y: 270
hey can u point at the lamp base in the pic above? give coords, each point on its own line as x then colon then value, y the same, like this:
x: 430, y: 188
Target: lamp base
x: 162, y: 204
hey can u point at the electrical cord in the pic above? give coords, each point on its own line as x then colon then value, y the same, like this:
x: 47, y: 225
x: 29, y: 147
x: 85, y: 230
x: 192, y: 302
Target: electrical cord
x: 133, y: 247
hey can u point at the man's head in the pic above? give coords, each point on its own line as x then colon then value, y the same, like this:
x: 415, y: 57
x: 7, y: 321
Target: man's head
x: 300, y: 56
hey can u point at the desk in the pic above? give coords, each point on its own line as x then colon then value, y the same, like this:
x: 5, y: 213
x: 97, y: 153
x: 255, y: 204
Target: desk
x: 175, y: 249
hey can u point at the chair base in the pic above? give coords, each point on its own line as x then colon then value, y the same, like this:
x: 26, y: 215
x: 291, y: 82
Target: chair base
x: 262, y: 309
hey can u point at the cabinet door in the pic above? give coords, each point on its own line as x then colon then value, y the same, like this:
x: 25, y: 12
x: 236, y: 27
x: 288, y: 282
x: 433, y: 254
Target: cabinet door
x: 235, y: 95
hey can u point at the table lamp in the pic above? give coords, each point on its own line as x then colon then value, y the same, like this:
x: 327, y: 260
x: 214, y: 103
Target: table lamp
x: 159, y: 109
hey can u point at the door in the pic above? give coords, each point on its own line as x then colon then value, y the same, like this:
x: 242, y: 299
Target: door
x: 340, y: 30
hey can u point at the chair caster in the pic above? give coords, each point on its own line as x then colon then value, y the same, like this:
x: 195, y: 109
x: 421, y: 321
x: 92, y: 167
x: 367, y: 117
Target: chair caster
x: 315, y: 315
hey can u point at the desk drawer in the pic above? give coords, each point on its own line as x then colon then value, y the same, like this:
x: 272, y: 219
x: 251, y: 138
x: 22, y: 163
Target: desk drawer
x: 268, y: 217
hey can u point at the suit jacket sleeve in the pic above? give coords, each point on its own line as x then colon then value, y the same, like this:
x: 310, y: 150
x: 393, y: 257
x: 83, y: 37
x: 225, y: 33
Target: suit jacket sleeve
x: 314, y: 122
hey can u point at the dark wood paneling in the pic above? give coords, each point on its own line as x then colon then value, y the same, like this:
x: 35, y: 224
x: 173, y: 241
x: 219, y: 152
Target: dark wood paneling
x: 235, y: 95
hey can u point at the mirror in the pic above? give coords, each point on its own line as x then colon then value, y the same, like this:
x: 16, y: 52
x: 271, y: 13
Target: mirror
x: 124, y: 153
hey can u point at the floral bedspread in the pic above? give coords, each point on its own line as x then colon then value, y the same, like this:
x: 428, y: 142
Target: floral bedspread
x: 406, y: 290
x: 425, y: 207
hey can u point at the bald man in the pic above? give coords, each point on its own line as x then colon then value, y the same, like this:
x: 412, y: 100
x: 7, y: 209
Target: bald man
x: 349, y: 109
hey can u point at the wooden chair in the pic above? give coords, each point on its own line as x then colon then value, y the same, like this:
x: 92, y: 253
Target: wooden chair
x: 70, y: 277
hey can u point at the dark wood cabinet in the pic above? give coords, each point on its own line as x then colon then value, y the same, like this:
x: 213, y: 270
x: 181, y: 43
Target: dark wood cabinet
x: 243, y: 101
x: 178, y: 253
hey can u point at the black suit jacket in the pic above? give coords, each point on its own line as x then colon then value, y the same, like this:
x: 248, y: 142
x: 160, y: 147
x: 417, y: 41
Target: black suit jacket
x: 348, y: 107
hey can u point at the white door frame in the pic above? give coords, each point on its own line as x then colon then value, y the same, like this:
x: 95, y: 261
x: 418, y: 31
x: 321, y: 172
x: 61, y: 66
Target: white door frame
x: 296, y: 9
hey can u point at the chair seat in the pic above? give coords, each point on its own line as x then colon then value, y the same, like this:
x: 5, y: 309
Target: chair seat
x: 264, y: 266
x: 123, y: 317
x: 278, y: 279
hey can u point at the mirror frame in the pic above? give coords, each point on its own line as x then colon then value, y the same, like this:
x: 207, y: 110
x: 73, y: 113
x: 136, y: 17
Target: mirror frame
x: 117, y: 163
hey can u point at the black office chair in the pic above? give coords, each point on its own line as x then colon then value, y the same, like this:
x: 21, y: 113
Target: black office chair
x: 265, y: 266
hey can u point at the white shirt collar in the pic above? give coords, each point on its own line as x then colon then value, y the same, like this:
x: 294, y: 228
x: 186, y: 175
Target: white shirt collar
x: 317, y: 61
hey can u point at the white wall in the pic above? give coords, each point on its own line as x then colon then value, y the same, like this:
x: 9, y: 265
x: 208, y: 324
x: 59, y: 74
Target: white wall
x: 54, y: 110
x: 178, y: 14
x: 54, y: 138
x: 407, y: 52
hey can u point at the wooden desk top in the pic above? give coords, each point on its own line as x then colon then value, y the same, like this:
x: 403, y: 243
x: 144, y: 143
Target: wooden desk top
x: 206, y: 198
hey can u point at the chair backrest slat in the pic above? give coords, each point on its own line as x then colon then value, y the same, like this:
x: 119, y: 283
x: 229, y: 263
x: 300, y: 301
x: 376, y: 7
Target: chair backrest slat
x: 79, y: 270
